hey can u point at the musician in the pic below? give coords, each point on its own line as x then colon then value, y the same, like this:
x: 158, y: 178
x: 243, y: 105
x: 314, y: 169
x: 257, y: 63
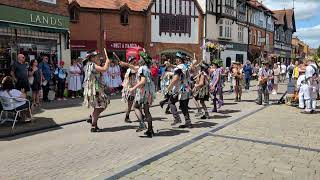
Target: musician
x: 238, y: 77
x: 264, y: 82
x: 312, y: 78
x: 94, y: 88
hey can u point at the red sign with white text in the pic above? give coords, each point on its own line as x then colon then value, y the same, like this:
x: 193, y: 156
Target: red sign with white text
x: 112, y: 45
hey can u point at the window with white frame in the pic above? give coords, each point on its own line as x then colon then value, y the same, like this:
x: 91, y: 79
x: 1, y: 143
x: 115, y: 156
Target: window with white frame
x: 254, y: 38
x: 240, y: 33
x: 268, y: 41
x: 250, y: 37
x: 230, y: 3
x: 259, y: 38
x: 225, y: 28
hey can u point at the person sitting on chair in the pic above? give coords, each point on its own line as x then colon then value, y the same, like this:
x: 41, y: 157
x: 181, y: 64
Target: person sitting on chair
x: 8, y: 91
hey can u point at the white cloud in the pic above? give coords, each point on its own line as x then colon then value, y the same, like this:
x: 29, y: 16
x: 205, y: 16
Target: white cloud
x: 310, y: 35
x: 303, y: 9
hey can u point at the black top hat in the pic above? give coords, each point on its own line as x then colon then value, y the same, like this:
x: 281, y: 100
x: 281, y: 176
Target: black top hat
x: 131, y: 58
x: 92, y: 54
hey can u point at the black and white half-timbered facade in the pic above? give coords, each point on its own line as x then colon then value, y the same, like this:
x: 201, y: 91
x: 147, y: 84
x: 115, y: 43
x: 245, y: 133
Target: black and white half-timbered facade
x: 285, y: 26
x: 225, y: 23
x: 174, y: 25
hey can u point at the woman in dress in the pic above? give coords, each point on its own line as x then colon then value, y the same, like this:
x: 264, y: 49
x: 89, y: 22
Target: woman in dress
x: 74, y: 84
x: 145, y: 92
x: 215, y: 86
x: 129, y: 81
x: 113, y: 76
x: 94, y: 88
x: 35, y: 75
x: 201, y: 89
x: 276, y: 78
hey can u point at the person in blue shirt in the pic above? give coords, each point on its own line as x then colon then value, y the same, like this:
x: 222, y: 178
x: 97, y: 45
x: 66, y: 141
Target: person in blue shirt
x: 46, y: 77
x: 247, y: 70
x: 60, y: 77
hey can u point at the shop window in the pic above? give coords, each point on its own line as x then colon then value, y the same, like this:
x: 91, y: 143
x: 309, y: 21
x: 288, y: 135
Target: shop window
x: 124, y: 17
x: 74, y: 14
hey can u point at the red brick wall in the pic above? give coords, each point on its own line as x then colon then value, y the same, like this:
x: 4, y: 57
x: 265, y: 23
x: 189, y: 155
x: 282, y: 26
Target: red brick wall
x: 88, y: 28
x: 61, y: 8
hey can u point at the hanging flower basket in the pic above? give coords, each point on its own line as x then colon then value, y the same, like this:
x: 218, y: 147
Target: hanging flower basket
x: 213, y: 47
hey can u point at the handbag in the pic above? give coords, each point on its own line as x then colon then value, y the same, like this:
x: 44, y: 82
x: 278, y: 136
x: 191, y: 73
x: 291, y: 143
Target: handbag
x: 31, y: 80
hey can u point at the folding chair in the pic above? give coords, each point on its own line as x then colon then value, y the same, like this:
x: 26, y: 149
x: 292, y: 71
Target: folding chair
x: 8, y: 107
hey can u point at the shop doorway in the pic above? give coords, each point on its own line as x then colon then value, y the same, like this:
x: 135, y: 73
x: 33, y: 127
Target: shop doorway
x: 228, y: 62
x: 239, y: 58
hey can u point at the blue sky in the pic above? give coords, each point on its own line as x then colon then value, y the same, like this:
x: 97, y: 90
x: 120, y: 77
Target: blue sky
x: 307, y: 13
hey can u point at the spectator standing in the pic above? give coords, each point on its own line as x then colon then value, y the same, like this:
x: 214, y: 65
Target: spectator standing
x: 35, y: 83
x: 283, y: 69
x: 247, y: 70
x: 46, y: 77
x: 154, y: 75
x: 61, y: 76
x: 113, y: 76
x: 255, y: 71
x: 290, y: 71
x: 296, y: 71
x: 74, y: 84
x: 276, y: 78
x: 19, y: 73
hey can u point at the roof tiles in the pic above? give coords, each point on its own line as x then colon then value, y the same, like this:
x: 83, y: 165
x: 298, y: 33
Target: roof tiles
x: 134, y: 5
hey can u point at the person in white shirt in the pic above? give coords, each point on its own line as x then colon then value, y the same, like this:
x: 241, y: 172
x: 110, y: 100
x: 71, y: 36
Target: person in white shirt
x: 312, y: 77
x: 283, y: 68
x: 7, y: 91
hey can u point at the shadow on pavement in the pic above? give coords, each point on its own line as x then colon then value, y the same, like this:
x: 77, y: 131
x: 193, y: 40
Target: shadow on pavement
x: 227, y: 104
x: 204, y: 124
x: 228, y: 111
x: 169, y: 132
x: 219, y: 116
x: 118, y: 128
x: 24, y: 129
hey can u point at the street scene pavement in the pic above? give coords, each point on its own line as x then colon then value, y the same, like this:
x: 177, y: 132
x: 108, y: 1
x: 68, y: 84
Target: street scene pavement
x: 72, y: 152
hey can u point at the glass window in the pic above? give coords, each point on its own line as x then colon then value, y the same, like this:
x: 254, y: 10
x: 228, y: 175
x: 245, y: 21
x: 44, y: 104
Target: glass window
x: 124, y: 17
x: 175, y: 24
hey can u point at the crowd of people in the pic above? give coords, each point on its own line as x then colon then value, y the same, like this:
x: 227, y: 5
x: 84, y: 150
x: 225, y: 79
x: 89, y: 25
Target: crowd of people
x: 182, y: 79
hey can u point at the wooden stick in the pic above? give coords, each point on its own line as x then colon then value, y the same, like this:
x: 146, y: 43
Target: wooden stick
x: 105, y: 53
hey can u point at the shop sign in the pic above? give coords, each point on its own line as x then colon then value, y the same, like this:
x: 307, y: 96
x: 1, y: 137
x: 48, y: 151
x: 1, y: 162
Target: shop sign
x: 33, y: 18
x: 234, y: 46
x: 112, y: 45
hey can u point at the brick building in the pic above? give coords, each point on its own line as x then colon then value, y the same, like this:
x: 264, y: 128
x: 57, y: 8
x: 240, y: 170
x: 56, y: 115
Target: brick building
x: 34, y: 28
x: 261, y: 31
x: 114, y: 25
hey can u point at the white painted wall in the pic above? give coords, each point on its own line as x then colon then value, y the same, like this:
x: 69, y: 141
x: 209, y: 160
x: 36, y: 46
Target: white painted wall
x: 65, y: 53
x: 232, y: 54
x: 174, y: 38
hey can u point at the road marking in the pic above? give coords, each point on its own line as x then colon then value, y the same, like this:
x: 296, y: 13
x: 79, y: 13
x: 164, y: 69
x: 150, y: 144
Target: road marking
x: 138, y: 165
x: 266, y: 142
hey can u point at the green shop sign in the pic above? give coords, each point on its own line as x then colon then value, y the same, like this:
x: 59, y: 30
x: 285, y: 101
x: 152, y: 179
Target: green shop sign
x: 33, y: 18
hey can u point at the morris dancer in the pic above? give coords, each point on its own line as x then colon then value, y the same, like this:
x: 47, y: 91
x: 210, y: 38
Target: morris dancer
x: 237, y: 74
x: 215, y: 86
x: 145, y: 92
x: 179, y: 90
x: 201, y: 89
x: 165, y: 82
x: 94, y: 89
x: 129, y: 81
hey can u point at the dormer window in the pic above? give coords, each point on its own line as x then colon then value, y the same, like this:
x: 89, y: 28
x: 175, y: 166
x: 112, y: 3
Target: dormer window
x: 74, y: 14
x: 124, y: 17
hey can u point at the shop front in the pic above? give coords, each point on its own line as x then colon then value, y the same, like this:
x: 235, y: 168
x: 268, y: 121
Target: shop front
x: 233, y: 52
x: 283, y: 56
x: 34, y: 34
